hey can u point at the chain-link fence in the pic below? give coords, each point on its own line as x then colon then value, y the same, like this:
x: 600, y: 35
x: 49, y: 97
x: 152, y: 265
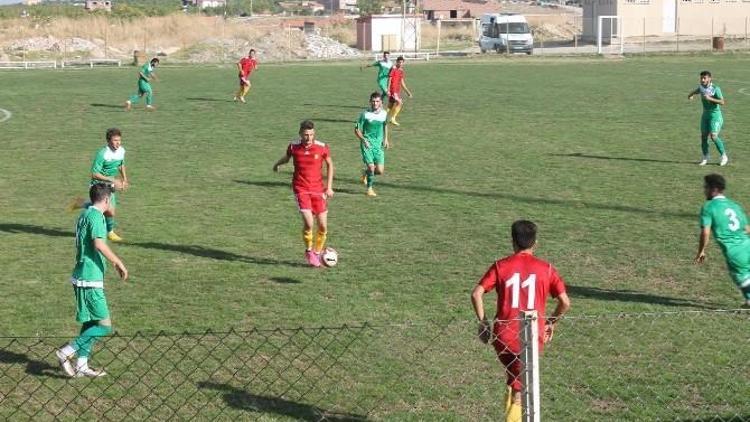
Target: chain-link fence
x: 686, y: 366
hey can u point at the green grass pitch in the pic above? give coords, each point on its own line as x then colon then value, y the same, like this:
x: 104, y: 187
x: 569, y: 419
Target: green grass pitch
x: 600, y: 153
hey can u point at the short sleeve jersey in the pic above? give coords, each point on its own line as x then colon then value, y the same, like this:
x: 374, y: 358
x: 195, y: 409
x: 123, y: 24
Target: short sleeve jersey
x: 384, y: 69
x: 90, y: 263
x: 727, y: 221
x: 248, y: 65
x: 523, y: 282
x: 147, y: 70
x: 712, y: 91
x: 372, y: 125
x: 108, y: 162
x: 308, y: 166
x: 396, y: 76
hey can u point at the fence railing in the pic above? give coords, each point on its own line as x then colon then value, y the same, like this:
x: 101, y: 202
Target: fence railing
x: 686, y: 366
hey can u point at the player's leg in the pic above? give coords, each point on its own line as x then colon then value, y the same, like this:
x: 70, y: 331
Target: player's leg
x: 383, y: 85
x: 93, y: 313
x: 304, y: 202
x: 738, y: 264
x: 320, y: 211
x: 512, y: 364
x: 715, y: 127
x: 396, y: 108
x: 705, y: 131
x: 148, y: 92
x: 246, y: 89
x: 238, y: 94
x: 109, y: 219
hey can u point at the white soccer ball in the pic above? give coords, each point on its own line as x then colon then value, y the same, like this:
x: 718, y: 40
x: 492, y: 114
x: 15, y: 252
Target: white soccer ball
x: 330, y: 257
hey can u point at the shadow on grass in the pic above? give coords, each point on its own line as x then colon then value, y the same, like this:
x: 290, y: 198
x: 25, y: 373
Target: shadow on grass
x: 209, y: 100
x: 336, y: 105
x: 604, y: 157
x: 288, y: 185
x: 195, y: 250
x: 724, y: 418
x: 118, y: 106
x: 632, y: 296
x: 33, y: 367
x: 239, y: 399
x: 285, y: 280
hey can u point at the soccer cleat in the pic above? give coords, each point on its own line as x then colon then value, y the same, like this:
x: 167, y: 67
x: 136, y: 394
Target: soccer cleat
x: 242, y: 100
x: 363, y: 179
x: 312, y: 258
x: 89, y: 372
x: 703, y: 162
x: 371, y: 193
x: 128, y: 104
x: 724, y: 160
x: 395, y: 123
x: 65, y: 364
x: 76, y: 204
x: 112, y: 236
x: 745, y: 305
x: 150, y: 108
x: 235, y: 99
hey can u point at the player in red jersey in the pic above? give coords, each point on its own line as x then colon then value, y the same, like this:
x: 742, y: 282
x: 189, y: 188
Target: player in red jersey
x: 523, y: 283
x: 307, y: 183
x: 396, y: 81
x: 245, y: 67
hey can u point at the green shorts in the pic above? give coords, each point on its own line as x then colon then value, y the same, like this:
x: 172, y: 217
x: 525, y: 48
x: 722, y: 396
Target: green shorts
x: 91, y: 305
x: 144, y: 87
x: 711, y: 124
x: 373, y: 155
x: 383, y: 85
x: 738, y: 262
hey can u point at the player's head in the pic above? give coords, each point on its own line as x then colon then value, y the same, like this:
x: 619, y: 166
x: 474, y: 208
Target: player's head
x: 523, y: 233
x: 713, y: 184
x: 376, y: 100
x: 251, y: 53
x: 154, y: 62
x: 307, y: 131
x: 705, y: 78
x: 114, y: 138
x: 100, y: 195
x: 400, y: 61
x: 386, y: 54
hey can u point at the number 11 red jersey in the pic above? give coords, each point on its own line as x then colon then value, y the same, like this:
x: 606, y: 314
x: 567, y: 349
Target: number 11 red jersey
x: 523, y: 282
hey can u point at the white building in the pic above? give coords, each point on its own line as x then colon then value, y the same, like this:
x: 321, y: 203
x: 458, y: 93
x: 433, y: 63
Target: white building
x: 389, y: 33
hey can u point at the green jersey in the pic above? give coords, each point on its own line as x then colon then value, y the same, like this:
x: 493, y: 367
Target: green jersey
x: 90, y: 263
x: 727, y: 221
x: 146, y: 70
x: 372, y: 125
x: 108, y: 162
x: 710, y: 108
x: 384, y: 69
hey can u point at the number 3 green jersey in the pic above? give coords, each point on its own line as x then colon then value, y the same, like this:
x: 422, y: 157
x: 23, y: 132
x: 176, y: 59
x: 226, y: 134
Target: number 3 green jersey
x: 727, y: 221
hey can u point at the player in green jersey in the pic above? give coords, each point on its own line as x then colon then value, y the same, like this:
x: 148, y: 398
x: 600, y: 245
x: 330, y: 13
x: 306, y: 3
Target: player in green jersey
x: 384, y: 69
x: 145, y: 74
x: 88, y: 283
x: 728, y: 222
x: 711, y: 120
x: 372, y: 131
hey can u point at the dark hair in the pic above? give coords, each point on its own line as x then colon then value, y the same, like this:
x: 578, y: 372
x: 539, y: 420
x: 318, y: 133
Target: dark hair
x: 387, y: 52
x: 306, y: 125
x: 112, y: 132
x: 706, y: 73
x: 252, y: 50
x: 154, y: 60
x: 99, y: 191
x: 715, y: 181
x: 375, y: 95
x: 523, y: 233
x: 400, y: 59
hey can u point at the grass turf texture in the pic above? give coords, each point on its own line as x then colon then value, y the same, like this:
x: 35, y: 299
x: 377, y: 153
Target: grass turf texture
x: 599, y: 153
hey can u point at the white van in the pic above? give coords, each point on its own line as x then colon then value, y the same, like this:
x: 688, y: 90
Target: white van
x: 505, y: 32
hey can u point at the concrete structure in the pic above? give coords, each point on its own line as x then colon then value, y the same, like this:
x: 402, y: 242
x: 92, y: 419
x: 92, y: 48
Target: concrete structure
x: 301, y: 7
x: 339, y: 6
x: 389, y: 32
x: 457, y: 9
x: 92, y: 5
x: 699, y: 18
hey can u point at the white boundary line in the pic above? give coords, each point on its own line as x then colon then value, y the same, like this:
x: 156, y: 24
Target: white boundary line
x: 743, y: 91
x: 5, y: 115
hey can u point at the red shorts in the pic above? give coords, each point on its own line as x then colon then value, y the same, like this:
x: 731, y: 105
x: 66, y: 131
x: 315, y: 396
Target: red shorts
x: 244, y: 80
x: 311, y: 201
x: 396, y: 97
x: 512, y: 364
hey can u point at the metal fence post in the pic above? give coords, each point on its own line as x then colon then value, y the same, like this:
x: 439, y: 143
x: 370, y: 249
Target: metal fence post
x: 530, y: 358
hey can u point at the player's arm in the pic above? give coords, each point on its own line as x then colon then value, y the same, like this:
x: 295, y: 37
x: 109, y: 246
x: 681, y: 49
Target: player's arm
x: 403, y: 85
x: 96, y: 170
x: 386, y: 142
x: 283, y: 160
x: 102, y: 247
x: 329, y: 173
x: 563, y: 305
x: 693, y: 93
x: 484, y: 330
x: 703, y: 239
x: 361, y: 136
x: 716, y: 99
x: 239, y: 68
x: 124, y: 176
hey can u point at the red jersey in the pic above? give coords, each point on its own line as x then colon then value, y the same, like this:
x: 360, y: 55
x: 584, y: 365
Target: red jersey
x: 523, y: 282
x: 308, y: 166
x: 248, y: 65
x: 396, y: 76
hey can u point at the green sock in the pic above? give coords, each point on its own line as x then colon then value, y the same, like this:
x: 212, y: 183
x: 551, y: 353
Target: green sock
x: 90, y: 333
x: 719, y: 145
x: 149, y: 97
x: 110, y: 223
x: 704, y: 146
x: 134, y: 99
x: 370, y: 178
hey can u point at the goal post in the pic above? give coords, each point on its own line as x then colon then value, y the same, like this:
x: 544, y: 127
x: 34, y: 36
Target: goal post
x: 615, y: 30
x: 530, y: 395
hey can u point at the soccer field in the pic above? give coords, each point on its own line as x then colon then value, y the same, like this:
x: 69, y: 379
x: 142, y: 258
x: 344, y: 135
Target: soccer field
x: 600, y: 153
